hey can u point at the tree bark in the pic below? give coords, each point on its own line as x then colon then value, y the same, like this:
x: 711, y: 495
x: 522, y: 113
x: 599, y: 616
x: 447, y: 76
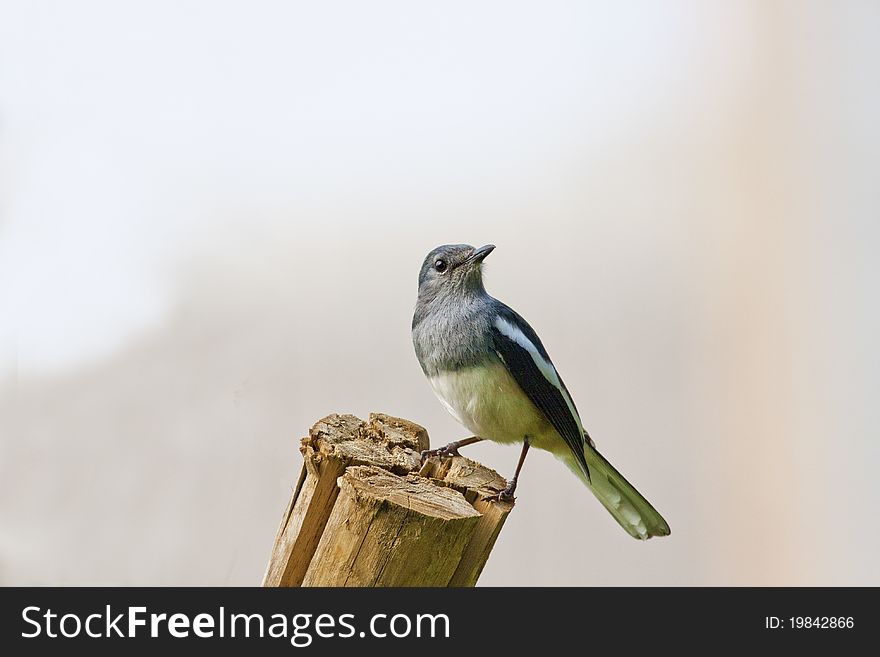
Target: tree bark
x: 367, y: 512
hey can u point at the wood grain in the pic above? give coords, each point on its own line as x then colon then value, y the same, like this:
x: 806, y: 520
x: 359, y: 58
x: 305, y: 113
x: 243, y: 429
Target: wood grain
x: 367, y: 512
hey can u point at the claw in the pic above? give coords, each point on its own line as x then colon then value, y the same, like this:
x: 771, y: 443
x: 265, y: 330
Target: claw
x: 505, y: 495
x: 448, y: 450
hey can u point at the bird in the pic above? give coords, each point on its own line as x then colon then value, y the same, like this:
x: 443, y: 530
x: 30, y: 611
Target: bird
x: 490, y: 370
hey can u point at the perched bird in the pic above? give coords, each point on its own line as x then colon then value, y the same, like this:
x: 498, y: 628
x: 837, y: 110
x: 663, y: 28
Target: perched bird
x: 491, y: 372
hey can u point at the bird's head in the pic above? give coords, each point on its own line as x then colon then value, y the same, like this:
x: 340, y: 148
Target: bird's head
x: 452, y: 269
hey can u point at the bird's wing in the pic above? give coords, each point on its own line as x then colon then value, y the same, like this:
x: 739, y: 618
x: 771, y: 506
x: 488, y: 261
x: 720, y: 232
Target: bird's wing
x: 522, y: 353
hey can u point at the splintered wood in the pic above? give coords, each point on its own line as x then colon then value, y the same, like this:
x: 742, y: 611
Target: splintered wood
x: 367, y: 512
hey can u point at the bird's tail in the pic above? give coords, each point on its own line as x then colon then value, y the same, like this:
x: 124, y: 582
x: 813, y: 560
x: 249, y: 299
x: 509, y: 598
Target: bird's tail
x: 629, y: 508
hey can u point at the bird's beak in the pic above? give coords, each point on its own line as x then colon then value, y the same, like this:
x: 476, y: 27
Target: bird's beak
x: 480, y: 254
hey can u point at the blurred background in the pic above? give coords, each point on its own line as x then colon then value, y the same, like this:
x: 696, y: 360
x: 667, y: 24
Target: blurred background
x: 212, y: 216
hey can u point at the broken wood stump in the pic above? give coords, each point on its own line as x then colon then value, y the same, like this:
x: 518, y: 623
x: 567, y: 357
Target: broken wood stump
x: 367, y: 512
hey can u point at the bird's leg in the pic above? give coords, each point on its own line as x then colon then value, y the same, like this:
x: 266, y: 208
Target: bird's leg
x: 451, y: 449
x: 507, y: 494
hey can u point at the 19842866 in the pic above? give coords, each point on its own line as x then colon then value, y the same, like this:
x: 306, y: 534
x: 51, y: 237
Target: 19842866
x: 809, y: 622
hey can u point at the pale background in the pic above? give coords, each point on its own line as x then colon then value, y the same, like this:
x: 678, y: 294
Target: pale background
x: 212, y: 216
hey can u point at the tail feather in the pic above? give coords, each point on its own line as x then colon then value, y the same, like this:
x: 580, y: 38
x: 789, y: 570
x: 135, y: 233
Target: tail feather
x: 629, y: 508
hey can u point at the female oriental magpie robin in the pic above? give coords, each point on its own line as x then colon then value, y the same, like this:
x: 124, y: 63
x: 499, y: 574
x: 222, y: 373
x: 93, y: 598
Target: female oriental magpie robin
x: 491, y: 372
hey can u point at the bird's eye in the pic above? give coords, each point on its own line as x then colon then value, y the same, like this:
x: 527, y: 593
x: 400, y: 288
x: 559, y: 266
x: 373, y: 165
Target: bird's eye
x: 440, y: 266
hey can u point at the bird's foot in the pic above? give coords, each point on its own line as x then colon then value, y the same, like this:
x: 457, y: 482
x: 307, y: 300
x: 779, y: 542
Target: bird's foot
x: 449, y: 450
x: 505, y: 495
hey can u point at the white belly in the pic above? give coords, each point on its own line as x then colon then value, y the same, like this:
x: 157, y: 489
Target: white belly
x: 489, y: 402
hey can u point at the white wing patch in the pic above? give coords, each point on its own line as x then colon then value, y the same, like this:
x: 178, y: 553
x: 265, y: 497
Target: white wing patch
x: 545, y: 366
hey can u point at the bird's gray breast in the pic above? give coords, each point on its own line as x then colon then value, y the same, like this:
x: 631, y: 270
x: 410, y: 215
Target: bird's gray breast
x: 449, y: 337
x: 455, y: 348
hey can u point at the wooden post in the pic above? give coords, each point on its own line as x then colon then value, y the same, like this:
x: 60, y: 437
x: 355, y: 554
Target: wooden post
x: 367, y: 512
